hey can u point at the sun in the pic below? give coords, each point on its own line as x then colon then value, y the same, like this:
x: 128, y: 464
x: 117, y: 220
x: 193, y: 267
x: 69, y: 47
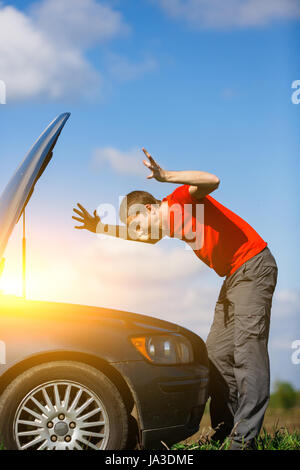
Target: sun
x: 11, y: 285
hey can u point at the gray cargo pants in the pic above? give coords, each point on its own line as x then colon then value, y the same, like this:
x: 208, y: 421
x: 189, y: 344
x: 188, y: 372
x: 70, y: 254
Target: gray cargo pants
x: 238, y: 350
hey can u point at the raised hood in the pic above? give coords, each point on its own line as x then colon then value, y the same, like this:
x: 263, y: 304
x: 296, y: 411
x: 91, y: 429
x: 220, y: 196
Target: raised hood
x: 20, y: 188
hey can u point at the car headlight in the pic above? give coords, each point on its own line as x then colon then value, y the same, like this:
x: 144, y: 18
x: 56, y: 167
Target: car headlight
x: 164, y: 349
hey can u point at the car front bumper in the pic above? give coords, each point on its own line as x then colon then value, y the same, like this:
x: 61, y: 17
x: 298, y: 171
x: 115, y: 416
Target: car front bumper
x: 169, y: 399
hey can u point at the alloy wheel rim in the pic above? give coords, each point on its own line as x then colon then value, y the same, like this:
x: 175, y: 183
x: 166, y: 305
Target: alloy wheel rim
x: 61, y: 415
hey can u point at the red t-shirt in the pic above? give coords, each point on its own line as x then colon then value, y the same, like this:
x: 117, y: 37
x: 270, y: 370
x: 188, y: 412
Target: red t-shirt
x: 219, y: 237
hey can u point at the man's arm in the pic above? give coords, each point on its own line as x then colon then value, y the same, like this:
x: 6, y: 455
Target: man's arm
x: 93, y: 224
x: 119, y: 231
x: 201, y: 183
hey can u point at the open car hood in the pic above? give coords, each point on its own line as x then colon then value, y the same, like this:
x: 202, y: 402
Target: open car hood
x: 20, y: 188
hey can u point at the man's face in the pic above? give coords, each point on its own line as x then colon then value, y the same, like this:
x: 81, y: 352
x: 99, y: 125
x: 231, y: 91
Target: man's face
x: 143, y: 222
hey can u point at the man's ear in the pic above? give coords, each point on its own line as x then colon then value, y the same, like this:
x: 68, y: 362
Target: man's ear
x: 148, y: 207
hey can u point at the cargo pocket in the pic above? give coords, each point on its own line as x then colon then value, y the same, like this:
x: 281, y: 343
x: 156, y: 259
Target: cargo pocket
x: 266, y: 280
x: 251, y: 323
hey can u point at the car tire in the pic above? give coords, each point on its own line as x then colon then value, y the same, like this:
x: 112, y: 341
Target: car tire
x: 49, y: 391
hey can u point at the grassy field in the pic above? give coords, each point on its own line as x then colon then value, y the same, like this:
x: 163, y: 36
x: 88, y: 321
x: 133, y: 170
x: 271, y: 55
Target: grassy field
x: 281, y: 431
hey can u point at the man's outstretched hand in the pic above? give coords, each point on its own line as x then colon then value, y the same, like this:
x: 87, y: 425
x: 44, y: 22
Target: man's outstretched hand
x: 89, y: 222
x: 156, y: 171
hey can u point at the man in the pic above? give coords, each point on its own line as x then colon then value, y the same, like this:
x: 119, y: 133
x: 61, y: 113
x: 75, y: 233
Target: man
x: 237, y: 342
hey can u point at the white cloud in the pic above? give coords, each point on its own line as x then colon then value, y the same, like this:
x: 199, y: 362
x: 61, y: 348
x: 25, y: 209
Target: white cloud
x: 43, y: 51
x: 122, y: 69
x: 286, y: 303
x: 219, y: 14
x: 78, y: 22
x: 31, y: 65
x: 289, y: 296
x: 129, y: 162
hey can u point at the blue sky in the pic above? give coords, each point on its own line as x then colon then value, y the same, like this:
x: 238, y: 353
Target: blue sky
x: 200, y: 90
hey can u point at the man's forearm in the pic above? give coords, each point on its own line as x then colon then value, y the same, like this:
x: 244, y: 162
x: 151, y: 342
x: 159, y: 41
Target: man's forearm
x: 193, y: 178
x: 119, y: 231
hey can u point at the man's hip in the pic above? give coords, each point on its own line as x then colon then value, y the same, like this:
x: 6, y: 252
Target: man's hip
x: 243, y: 307
x: 252, y: 266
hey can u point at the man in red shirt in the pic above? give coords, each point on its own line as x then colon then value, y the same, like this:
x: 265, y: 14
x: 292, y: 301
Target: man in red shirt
x: 238, y: 339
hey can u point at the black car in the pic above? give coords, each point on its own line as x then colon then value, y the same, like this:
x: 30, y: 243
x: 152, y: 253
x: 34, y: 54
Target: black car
x: 89, y: 378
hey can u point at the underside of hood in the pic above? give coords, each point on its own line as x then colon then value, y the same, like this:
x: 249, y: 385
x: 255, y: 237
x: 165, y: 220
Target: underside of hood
x: 20, y: 188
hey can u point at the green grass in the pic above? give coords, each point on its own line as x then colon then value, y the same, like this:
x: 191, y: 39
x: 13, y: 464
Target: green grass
x: 280, y: 439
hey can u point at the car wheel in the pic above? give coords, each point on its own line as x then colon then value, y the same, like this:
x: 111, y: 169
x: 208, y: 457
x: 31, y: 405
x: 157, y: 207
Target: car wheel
x: 62, y: 405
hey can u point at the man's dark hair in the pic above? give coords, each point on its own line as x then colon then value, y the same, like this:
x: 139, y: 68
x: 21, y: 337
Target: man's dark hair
x: 135, y: 197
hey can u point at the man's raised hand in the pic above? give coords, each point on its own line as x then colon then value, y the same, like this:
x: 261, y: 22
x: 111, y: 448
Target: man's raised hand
x: 89, y: 221
x: 156, y: 171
